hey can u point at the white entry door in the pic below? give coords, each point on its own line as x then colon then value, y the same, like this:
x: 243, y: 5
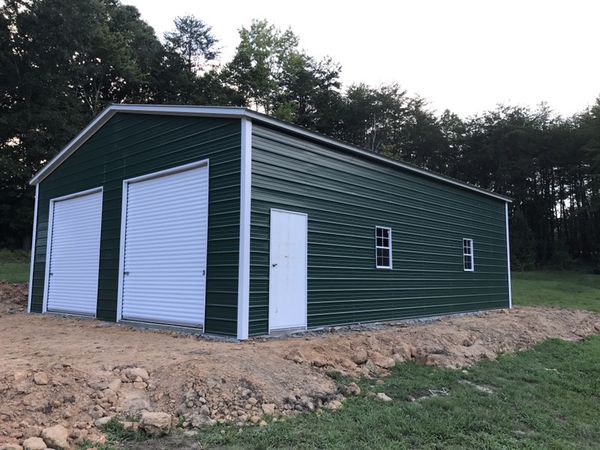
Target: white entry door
x: 287, y: 276
x: 164, y: 254
x: 74, y: 254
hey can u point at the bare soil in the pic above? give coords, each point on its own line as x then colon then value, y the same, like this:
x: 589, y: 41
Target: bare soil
x: 70, y: 371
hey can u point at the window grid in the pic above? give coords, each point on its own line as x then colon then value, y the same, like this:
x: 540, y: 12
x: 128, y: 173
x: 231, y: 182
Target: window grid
x: 468, y: 255
x: 383, y: 248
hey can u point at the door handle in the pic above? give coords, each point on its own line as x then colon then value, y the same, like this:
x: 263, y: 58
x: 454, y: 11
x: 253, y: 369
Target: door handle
x: 274, y: 265
x: 126, y: 273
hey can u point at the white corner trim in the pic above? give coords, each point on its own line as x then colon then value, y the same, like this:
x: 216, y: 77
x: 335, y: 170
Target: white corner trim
x: 243, y: 316
x: 33, y: 239
x: 510, y: 304
x: 124, y: 198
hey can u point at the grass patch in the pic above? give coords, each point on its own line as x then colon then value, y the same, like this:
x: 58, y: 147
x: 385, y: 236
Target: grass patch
x: 557, y: 289
x: 116, y: 437
x: 14, y: 266
x: 543, y: 398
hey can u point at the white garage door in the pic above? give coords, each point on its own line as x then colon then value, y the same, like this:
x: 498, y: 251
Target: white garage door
x: 164, y: 267
x: 74, y: 254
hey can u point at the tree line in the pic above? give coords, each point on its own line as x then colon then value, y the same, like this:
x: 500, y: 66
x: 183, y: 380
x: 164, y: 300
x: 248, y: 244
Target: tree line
x: 63, y: 61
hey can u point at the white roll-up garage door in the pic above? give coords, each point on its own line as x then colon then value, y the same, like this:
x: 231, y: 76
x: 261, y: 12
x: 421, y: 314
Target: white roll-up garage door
x: 74, y: 254
x: 164, y: 266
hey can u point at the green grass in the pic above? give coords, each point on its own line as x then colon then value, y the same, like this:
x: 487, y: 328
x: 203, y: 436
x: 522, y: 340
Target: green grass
x: 14, y: 266
x: 558, y: 289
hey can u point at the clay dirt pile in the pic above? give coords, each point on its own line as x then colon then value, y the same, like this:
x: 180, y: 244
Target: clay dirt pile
x: 66, y: 377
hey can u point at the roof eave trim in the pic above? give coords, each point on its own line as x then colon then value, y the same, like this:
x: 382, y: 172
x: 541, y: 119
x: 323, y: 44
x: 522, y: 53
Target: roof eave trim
x: 110, y: 111
x: 235, y: 112
x: 368, y: 154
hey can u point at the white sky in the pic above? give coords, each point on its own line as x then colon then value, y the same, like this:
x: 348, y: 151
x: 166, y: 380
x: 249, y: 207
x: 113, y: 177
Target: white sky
x: 465, y: 55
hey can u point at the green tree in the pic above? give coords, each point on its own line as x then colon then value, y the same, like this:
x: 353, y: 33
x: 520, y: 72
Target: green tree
x: 63, y: 61
x: 193, y: 40
x: 272, y: 74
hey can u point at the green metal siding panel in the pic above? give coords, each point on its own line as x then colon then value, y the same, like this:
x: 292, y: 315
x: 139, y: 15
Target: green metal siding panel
x: 345, y: 197
x: 130, y: 145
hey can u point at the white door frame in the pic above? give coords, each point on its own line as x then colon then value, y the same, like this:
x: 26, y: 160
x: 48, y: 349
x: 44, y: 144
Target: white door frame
x: 305, y: 263
x: 49, y: 239
x: 124, y: 198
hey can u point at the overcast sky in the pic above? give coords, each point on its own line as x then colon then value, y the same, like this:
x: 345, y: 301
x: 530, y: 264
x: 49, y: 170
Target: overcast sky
x: 458, y: 54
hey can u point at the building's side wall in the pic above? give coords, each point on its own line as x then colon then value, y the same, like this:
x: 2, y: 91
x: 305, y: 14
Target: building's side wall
x: 131, y: 145
x: 345, y: 197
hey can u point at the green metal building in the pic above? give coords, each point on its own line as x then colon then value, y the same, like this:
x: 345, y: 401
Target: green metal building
x: 231, y: 222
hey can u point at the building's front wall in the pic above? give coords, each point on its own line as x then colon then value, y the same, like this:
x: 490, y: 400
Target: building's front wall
x: 130, y: 145
x: 345, y: 198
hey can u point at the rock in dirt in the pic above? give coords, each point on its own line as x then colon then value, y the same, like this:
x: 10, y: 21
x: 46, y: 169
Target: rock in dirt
x: 359, y: 357
x: 268, y: 409
x: 10, y: 447
x: 404, y: 350
x: 133, y: 373
x: 114, y: 385
x: 351, y: 389
x: 155, y: 423
x: 34, y: 443
x: 56, y: 437
x: 333, y: 405
x: 102, y: 421
x: 41, y: 378
x: 134, y: 401
x: 385, y: 362
x: 398, y: 358
x: 295, y: 356
x: 382, y: 397
x: 20, y: 376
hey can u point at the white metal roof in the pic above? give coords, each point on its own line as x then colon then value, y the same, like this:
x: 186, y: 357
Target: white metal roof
x: 236, y: 112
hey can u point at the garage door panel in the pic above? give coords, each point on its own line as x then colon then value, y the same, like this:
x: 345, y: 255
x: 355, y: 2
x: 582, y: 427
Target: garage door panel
x: 75, y: 254
x: 165, y: 248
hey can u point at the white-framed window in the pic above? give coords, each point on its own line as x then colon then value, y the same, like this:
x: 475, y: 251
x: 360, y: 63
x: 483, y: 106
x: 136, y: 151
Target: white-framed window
x: 468, y: 255
x: 383, y: 248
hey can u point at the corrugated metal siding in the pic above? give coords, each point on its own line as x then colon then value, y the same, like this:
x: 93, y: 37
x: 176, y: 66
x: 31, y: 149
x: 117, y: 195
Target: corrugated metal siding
x: 345, y: 198
x: 131, y: 145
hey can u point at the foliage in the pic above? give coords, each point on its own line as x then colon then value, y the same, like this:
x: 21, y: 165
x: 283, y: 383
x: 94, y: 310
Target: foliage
x: 194, y: 41
x: 64, y: 60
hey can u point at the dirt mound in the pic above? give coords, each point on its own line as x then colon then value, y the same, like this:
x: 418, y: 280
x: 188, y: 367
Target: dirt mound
x: 451, y: 342
x: 79, y: 373
x: 13, y: 297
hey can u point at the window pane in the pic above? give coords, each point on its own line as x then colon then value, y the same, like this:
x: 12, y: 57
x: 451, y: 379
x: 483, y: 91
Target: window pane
x: 383, y: 257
